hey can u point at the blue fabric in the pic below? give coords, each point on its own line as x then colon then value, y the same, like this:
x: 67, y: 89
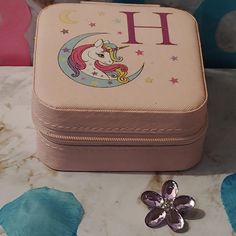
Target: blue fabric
x: 228, y: 195
x: 209, y: 15
x: 42, y: 212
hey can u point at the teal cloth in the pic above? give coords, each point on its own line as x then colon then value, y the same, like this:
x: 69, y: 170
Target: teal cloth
x: 42, y: 212
x: 209, y: 15
x: 228, y: 196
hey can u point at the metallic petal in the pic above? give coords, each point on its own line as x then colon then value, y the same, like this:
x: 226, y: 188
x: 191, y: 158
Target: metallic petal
x: 170, y: 190
x: 184, y: 202
x: 174, y: 219
x: 155, y: 217
x: 152, y: 199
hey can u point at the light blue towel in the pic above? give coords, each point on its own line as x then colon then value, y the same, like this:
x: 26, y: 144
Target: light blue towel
x: 42, y: 212
x: 228, y: 195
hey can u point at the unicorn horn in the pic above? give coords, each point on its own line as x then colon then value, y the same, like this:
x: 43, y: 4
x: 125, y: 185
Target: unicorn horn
x: 123, y: 47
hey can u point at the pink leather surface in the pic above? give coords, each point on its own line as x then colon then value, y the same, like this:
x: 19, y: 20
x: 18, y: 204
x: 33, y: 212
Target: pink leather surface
x: 154, y: 105
x: 14, y: 20
x: 119, y: 158
x: 157, y: 123
x: 172, y: 77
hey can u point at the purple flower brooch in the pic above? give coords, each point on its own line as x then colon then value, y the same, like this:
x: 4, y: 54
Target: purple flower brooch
x: 167, y: 207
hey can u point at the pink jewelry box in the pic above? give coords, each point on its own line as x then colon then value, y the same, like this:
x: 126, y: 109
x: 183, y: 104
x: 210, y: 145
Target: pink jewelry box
x: 118, y: 87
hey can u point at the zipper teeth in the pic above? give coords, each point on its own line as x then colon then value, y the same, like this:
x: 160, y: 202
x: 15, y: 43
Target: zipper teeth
x: 109, y: 139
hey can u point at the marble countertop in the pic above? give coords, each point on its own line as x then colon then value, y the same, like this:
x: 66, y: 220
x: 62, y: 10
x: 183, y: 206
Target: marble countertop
x: 112, y: 200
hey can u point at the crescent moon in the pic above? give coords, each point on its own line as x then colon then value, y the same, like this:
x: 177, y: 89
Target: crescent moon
x: 64, y: 16
x: 84, y: 78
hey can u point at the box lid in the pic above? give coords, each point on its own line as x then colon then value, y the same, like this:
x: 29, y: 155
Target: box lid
x: 105, y: 57
x: 120, y: 58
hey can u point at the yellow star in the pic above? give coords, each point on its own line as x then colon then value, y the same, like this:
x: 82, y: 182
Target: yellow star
x: 148, y: 80
x: 62, y: 58
x: 101, y: 13
x: 94, y: 83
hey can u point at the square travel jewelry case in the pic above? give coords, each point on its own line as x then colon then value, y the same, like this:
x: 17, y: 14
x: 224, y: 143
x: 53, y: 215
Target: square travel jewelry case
x: 118, y: 87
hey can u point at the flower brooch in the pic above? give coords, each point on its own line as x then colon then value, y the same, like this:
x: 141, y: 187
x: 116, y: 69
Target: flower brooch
x: 167, y: 207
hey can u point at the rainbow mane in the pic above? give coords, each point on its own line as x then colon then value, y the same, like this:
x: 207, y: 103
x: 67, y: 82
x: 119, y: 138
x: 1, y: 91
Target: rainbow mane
x: 75, y: 60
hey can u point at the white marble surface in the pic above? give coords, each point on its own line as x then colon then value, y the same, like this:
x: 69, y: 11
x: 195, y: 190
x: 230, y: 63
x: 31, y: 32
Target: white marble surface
x: 111, y: 200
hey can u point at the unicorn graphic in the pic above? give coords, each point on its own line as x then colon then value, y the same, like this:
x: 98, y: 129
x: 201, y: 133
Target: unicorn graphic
x: 99, y: 60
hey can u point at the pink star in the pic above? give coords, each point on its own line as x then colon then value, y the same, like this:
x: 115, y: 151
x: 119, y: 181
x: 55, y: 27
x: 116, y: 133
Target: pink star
x: 139, y: 53
x: 119, y: 32
x: 174, y: 58
x: 174, y: 80
x: 94, y: 73
x: 92, y: 24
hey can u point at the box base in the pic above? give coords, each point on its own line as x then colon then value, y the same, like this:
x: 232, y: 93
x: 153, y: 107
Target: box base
x: 119, y: 158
